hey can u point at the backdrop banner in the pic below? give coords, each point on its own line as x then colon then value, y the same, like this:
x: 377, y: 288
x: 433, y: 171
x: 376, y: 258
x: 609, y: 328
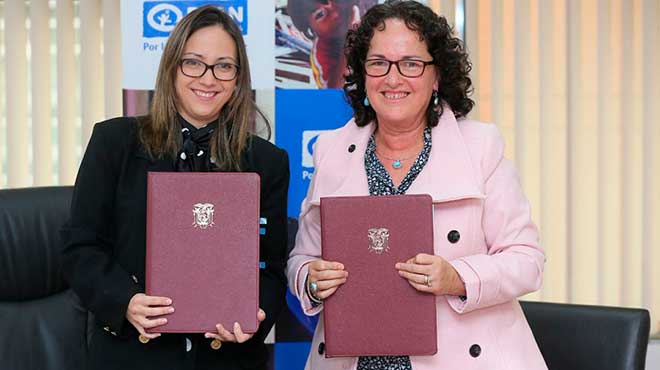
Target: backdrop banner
x: 146, y: 24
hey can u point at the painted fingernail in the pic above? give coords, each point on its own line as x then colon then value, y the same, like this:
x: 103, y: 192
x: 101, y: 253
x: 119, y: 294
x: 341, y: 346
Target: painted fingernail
x: 235, y: 325
x: 168, y: 302
x: 171, y: 309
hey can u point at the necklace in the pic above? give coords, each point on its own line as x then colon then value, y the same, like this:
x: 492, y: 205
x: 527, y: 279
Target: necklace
x: 396, y: 162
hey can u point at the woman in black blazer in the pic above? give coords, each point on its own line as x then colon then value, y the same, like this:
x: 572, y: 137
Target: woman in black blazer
x: 201, y: 119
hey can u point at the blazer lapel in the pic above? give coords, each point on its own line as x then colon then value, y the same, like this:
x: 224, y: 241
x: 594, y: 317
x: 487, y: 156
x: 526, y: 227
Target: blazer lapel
x: 449, y: 173
x: 154, y: 165
x: 355, y: 180
x: 347, y: 163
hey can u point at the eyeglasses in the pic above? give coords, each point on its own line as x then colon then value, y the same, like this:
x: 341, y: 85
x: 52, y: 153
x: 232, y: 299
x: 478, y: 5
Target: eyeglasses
x: 222, y: 71
x: 406, y: 67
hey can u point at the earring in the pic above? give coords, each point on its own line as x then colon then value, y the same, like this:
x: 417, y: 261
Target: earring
x: 435, y: 98
x: 366, y: 101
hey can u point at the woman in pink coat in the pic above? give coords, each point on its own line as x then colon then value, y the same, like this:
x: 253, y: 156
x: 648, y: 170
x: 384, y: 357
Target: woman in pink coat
x: 408, y: 85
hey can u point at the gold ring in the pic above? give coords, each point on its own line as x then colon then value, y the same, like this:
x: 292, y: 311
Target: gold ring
x: 427, y: 281
x: 143, y: 339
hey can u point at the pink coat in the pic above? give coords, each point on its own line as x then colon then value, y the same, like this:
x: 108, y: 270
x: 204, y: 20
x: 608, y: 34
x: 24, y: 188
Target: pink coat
x: 476, y: 192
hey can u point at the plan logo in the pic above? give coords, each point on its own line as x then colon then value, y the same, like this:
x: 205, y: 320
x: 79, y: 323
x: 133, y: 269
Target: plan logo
x: 160, y: 17
x: 308, y: 140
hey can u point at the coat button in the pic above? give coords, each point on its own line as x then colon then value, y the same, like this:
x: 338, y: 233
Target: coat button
x: 475, y: 350
x: 453, y: 236
x: 351, y: 148
x: 188, y: 345
x: 321, y: 348
x: 216, y: 344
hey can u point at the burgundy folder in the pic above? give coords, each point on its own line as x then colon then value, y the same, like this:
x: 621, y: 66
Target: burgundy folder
x: 203, y: 249
x: 377, y: 312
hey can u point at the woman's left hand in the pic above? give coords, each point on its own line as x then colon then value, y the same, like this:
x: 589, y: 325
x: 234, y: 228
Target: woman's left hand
x: 431, y: 274
x: 224, y: 335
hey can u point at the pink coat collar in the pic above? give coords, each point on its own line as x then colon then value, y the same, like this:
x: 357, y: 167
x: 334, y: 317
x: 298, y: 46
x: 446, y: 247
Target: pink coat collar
x: 449, y: 174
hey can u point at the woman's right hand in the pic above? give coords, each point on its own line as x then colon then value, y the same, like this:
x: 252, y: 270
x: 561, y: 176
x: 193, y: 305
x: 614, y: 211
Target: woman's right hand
x: 142, y: 307
x: 327, y: 275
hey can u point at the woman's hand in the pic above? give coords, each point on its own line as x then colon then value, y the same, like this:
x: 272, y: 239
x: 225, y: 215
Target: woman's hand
x: 324, y: 277
x: 141, y: 307
x: 224, y: 335
x: 431, y: 274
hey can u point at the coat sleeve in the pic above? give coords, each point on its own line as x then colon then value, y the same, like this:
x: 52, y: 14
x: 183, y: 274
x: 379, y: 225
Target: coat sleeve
x: 513, y: 264
x: 272, y: 278
x: 308, y: 238
x: 89, y: 267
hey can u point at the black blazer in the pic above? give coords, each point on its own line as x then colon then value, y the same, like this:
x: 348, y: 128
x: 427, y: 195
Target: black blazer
x: 104, y: 252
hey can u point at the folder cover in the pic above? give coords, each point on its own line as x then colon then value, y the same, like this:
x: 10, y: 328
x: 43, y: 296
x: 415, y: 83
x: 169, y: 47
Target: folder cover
x: 203, y: 249
x: 377, y: 312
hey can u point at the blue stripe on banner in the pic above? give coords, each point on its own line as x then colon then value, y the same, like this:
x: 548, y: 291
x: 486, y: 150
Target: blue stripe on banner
x: 262, y: 231
x: 291, y: 355
x: 262, y: 265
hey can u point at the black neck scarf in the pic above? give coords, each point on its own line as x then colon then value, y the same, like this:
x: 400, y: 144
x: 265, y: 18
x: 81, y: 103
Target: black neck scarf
x: 194, y: 155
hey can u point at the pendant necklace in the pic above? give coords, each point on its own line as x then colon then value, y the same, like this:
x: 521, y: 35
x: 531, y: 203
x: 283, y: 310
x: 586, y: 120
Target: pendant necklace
x: 396, y: 162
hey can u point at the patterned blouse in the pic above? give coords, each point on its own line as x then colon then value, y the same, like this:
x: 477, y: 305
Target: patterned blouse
x: 380, y: 183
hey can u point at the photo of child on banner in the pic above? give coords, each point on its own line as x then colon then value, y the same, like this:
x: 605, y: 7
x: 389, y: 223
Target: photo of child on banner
x: 310, y: 38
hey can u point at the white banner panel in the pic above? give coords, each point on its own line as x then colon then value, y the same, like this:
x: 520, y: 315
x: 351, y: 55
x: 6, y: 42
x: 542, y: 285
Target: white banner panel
x: 146, y: 24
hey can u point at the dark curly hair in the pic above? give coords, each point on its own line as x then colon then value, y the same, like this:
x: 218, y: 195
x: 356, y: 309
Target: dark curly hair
x: 447, y: 51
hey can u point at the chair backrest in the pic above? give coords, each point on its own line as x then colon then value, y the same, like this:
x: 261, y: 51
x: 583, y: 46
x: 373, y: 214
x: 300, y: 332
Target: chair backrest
x: 42, y: 324
x: 584, y: 337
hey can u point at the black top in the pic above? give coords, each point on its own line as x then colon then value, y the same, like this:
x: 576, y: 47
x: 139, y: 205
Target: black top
x: 104, y: 252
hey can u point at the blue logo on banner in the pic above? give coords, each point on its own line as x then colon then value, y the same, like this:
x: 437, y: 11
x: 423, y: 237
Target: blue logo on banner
x: 301, y: 116
x: 160, y: 17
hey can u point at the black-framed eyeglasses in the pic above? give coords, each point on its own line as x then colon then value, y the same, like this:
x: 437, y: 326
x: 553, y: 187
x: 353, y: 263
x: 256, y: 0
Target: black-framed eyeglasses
x: 223, y: 71
x: 406, y: 67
